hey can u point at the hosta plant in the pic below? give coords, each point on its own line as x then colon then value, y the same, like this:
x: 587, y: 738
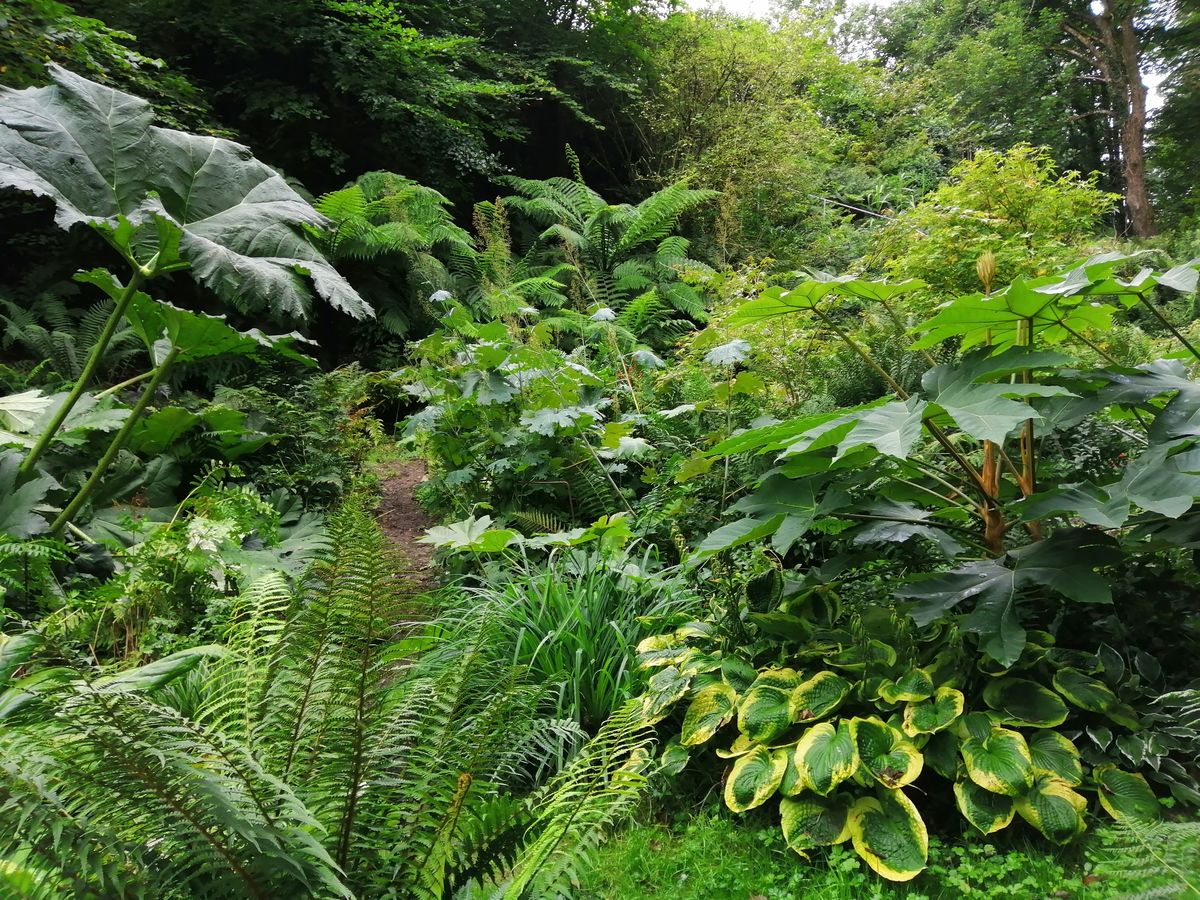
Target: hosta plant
x: 853, y: 728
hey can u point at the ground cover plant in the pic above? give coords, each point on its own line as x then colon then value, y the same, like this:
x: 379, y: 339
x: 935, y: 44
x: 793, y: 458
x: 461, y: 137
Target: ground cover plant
x: 598, y: 451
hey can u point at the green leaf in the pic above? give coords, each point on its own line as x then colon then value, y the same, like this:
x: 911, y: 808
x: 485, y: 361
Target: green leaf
x: 892, y: 429
x: 755, y: 776
x: 775, y: 301
x: 470, y: 534
x: 1051, y: 753
x: 999, y: 762
x: 1025, y: 703
x: 885, y: 753
x: 709, y: 710
x: 984, y: 411
x: 16, y: 650
x: 156, y: 674
x: 18, y: 499
x: 1125, y: 795
x: 826, y: 756
x: 934, y: 714
x: 765, y: 711
x: 916, y: 684
x: 812, y: 822
x: 890, y: 835
x: 985, y: 810
x: 1053, y: 808
x: 818, y: 696
x: 157, y: 432
x: 1084, y: 692
x: 93, y: 151
x: 743, y: 531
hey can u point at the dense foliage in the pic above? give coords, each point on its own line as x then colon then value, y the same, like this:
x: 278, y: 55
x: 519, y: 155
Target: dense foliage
x: 802, y: 416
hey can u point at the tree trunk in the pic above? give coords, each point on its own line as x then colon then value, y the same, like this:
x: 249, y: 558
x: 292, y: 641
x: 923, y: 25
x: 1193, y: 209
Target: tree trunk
x: 1133, y: 136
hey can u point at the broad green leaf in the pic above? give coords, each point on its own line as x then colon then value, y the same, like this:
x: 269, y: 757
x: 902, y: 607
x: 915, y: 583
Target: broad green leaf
x: 1025, y: 703
x: 1065, y: 562
x: 19, y: 499
x: 1083, y: 691
x: 1053, y: 754
x: 1090, y: 502
x: 933, y: 714
x: 891, y: 429
x: 800, y: 500
x: 16, y: 650
x: 818, y: 696
x: 895, y: 522
x: 885, y: 753
x: 159, y: 431
x: 19, y: 412
x: 737, y: 673
x: 765, y: 711
x: 999, y: 762
x: 1125, y: 795
x: 754, y: 777
x: 743, y: 531
x: 1161, y: 480
x: 470, y: 534
x: 941, y: 753
x: 812, y: 822
x: 1053, y: 808
x: 890, y: 835
x: 664, y: 689
x: 825, y: 757
x: 985, y: 810
x: 740, y: 747
x: 93, y: 151
x: 911, y: 686
x: 775, y: 301
x: 156, y: 674
x: 984, y: 411
x: 709, y: 710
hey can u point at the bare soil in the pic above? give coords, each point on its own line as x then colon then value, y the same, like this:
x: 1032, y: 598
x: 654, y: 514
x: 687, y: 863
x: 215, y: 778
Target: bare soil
x: 402, y: 519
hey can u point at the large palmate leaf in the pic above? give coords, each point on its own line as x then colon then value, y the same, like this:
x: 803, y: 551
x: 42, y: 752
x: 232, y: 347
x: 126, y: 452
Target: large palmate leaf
x: 18, y: 499
x: 811, y: 822
x: 984, y: 411
x: 782, y: 508
x: 885, y: 753
x: 890, y: 835
x: 754, y: 777
x: 1065, y: 563
x: 93, y: 151
x: 777, y: 301
x: 825, y: 757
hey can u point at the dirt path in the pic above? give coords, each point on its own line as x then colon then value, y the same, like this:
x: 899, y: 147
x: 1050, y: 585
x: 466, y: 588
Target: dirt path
x: 402, y: 519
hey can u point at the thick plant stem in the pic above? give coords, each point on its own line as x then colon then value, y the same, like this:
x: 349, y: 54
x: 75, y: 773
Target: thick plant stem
x: 85, y: 377
x: 115, y: 447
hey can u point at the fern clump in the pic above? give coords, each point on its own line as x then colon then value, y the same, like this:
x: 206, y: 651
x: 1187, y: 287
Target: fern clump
x: 1143, y: 860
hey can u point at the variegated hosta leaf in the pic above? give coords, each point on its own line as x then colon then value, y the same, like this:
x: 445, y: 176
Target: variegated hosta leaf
x: 1026, y: 703
x: 934, y: 714
x: 740, y: 747
x: 818, y: 696
x: 999, y: 763
x: 986, y: 811
x: 661, y: 650
x: 890, y: 835
x: 855, y: 658
x: 664, y: 689
x: 1053, y: 808
x: 814, y: 822
x: 910, y: 687
x: 885, y: 753
x: 710, y: 709
x: 765, y: 711
x: 1053, y: 754
x: 1095, y: 696
x: 1125, y: 795
x: 738, y: 674
x: 754, y: 778
x: 826, y: 756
